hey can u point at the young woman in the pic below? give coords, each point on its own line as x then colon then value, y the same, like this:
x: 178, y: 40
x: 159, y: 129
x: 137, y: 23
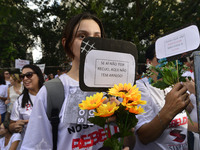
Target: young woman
x: 13, y: 91
x: 70, y: 134
x: 32, y: 80
x: 9, y: 141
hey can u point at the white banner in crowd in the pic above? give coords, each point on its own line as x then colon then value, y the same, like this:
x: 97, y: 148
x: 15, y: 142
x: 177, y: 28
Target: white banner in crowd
x: 42, y: 67
x: 19, y: 63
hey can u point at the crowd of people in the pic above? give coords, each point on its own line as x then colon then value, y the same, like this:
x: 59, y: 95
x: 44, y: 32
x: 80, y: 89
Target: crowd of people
x: 23, y: 105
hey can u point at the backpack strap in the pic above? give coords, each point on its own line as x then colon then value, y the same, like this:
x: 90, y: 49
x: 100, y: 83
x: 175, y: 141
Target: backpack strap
x: 55, y: 98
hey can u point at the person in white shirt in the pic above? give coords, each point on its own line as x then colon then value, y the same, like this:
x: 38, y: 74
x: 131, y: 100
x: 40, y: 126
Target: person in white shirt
x: 165, y: 124
x: 71, y: 135
x: 33, y: 80
x: 7, y: 78
x: 13, y: 91
x: 3, y: 97
x: 9, y: 141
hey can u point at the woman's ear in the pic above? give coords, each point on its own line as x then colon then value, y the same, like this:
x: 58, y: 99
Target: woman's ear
x: 63, y: 42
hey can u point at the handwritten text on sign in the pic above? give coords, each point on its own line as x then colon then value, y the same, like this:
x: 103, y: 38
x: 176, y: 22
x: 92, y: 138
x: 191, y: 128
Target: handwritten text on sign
x: 176, y: 44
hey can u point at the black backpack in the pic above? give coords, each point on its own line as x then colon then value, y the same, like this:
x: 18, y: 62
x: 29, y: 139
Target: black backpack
x: 55, y: 98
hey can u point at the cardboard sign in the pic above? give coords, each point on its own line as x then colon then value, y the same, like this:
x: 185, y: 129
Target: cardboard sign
x: 105, y: 62
x: 19, y: 63
x: 178, y: 43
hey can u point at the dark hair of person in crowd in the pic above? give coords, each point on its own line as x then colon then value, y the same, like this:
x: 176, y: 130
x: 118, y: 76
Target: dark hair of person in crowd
x: 71, y: 25
x: 150, y: 52
x: 2, y: 80
x: 26, y: 96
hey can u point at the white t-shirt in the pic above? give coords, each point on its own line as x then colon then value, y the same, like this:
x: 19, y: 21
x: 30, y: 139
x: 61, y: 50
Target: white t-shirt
x: 8, y: 83
x: 175, y: 136
x: 19, y: 113
x: 13, y: 97
x: 3, y: 93
x: 14, y: 137
x: 71, y: 136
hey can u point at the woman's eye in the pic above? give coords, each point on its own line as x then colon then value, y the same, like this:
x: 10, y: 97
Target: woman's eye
x: 81, y: 36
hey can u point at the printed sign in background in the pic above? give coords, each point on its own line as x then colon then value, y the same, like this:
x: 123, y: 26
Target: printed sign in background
x: 105, y: 62
x: 19, y: 63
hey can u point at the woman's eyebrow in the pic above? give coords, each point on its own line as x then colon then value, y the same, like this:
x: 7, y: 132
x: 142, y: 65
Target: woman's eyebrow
x: 84, y: 31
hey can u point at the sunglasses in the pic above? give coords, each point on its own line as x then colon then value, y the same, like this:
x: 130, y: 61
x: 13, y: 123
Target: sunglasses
x: 28, y: 75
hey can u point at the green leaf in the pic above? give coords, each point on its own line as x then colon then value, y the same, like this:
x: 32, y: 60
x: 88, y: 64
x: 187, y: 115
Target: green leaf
x: 100, y: 121
x: 161, y: 85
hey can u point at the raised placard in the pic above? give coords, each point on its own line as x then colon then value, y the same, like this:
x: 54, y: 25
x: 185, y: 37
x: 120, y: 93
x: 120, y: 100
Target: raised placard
x: 105, y: 62
x: 178, y: 43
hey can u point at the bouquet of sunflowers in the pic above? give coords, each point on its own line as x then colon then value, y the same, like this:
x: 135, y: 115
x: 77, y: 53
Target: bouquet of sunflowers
x: 124, y: 112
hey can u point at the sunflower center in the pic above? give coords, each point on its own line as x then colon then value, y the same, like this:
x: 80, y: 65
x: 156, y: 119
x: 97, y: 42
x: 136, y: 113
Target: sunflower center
x: 125, y: 91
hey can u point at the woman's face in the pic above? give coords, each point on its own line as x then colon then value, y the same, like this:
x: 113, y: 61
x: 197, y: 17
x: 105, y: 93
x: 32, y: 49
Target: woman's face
x: 31, y: 82
x: 12, y: 81
x: 87, y: 28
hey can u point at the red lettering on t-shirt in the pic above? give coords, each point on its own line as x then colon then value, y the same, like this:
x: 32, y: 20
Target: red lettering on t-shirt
x: 178, y: 122
x: 92, y: 138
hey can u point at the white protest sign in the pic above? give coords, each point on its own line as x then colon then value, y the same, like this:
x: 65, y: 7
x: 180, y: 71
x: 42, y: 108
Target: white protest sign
x: 178, y: 42
x: 19, y: 63
x: 106, y: 68
x: 42, y: 67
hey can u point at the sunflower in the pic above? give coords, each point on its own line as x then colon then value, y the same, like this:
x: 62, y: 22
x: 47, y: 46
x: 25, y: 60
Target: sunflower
x: 92, y: 102
x: 123, y: 91
x: 136, y: 110
x: 133, y: 101
x: 106, y: 110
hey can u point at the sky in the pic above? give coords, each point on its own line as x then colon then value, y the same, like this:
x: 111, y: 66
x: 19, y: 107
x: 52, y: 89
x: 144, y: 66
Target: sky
x: 36, y: 50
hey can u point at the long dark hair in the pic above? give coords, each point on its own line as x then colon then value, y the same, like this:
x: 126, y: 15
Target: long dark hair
x: 2, y: 79
x: 71, y: 25
x: 26, y: 97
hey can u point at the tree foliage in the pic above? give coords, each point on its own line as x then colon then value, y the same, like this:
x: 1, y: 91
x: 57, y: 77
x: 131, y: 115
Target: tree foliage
x: 138, y: 21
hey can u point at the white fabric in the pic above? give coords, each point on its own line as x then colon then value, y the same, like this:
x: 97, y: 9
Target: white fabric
x: 188, y: 74
x: 13, y: 96
x: 71, y: 136
x: 8, y: 83
x: 19, y: 113
x: 14, y: 137
x: 155, y: 101
x: 193, y: 114
x: 3, y: 93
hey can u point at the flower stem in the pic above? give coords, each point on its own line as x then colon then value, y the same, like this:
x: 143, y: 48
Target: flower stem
x: 177, y: 70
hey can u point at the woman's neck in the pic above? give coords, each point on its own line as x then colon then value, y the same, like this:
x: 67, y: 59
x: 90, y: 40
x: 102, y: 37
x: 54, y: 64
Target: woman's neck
x: 7, y: 138
x: 74, y: 72
x: 33, y: 91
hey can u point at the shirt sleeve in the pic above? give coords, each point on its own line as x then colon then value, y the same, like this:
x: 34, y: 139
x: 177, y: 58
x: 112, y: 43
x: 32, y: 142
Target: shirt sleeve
x: 16, y: 137
x: 39, y: 127
x: 148, y: 107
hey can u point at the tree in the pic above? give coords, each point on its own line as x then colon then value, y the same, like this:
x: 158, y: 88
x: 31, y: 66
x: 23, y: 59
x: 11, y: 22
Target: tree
x: 15, y: 37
